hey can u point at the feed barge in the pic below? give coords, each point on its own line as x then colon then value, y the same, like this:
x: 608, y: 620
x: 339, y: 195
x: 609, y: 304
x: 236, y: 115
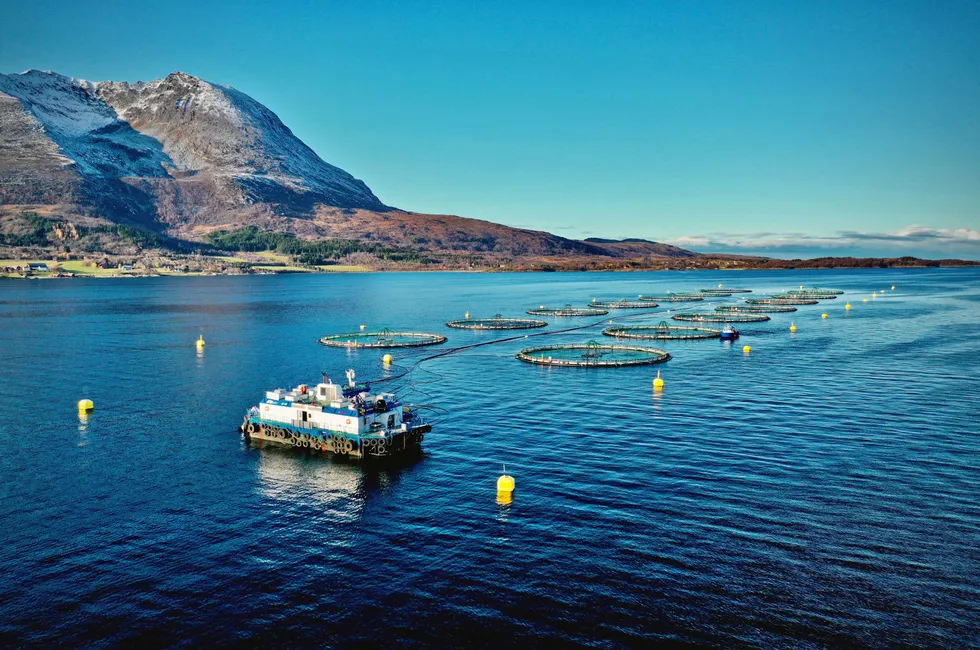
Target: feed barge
x: 330, y: 418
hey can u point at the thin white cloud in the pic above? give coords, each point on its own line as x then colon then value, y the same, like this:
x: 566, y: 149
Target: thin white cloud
x: 960, y: 234
x: 910, y: 240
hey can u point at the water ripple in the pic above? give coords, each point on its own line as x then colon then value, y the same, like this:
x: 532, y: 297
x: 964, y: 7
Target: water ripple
x: 819, y: 491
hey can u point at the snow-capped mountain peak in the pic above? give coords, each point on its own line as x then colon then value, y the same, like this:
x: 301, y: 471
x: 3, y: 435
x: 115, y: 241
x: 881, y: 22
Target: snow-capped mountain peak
x: 169, y: 128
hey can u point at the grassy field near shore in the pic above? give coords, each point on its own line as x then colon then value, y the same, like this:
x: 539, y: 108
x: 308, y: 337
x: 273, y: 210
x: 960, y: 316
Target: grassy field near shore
x: 78, y: 267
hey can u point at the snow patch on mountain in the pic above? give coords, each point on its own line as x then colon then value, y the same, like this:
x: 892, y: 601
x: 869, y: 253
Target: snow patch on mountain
x: 61, y: 103
x: 177, y: 126
x: 86, y: 130
x: 286, y: 157
x: 22, y: 137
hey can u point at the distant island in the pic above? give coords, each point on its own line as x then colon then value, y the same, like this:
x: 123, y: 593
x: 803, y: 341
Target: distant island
x: 182, y: 176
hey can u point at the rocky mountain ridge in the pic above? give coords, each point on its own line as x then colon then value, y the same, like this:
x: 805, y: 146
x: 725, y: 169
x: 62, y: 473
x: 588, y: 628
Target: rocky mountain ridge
x: 195, y: 151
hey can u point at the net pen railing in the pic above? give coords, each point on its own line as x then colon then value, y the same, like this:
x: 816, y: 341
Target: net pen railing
x: 592, y: 355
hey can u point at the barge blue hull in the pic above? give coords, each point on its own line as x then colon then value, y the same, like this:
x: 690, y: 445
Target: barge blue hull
x: 335, y: 442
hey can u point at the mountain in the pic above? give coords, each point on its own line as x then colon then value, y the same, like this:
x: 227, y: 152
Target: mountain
x: 183, y: 157
x: 176, y: 150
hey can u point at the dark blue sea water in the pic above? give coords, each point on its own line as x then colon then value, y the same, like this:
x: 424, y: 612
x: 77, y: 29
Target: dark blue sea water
x: 823, y: 490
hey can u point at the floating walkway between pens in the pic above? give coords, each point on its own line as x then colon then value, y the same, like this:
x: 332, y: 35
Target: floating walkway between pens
x: 498, y: 322
x: 567, y: 310
x: 674, y: 297
x: 662, y: 332
x: 592, y: 355
x: 623, y: 304
x: 780, y: 301
x: 384, y: 338
x: 755, y: 309
x: 721, y: 317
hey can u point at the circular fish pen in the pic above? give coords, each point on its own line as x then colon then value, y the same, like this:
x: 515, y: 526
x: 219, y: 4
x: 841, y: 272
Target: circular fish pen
x: 496, y: 322
x: 592, y: 355
x: 815, y: 293
x: 721, y: 317
x: 384, y: 338
x: 716, y: 293
x: 780, y: 301
x: 756, y: 309
x: 623, y: 304
x: 673, y: 297
x: 721, y: 290
x: 568, y: 310
x: 662, y: 332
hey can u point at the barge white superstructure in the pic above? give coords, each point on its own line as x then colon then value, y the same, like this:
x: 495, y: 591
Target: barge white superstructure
x: 348, y: 420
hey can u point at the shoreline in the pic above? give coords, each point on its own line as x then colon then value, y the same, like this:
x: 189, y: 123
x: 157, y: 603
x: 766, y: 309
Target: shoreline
x: 113, y: 274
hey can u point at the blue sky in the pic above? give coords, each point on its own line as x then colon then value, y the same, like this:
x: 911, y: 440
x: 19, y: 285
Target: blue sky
x: 784, y: 128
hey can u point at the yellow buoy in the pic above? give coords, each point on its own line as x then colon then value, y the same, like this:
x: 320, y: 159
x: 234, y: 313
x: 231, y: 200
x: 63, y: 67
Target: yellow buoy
x: 541, y: 306
x: 747, y: 349
x: 85, y: 405
x: 467, y: 314
x: 792, y: 327
x: 387, y: 358
x: 848, y: 305
x: 363, y: 327
x: 893, y: 287
x: 801, y: 286
x: 658, y: 383
x: 200, y: 341
x: 874, y: 295
x: 823, y: 315
x: 719, y: 286
x: 505, y: 487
